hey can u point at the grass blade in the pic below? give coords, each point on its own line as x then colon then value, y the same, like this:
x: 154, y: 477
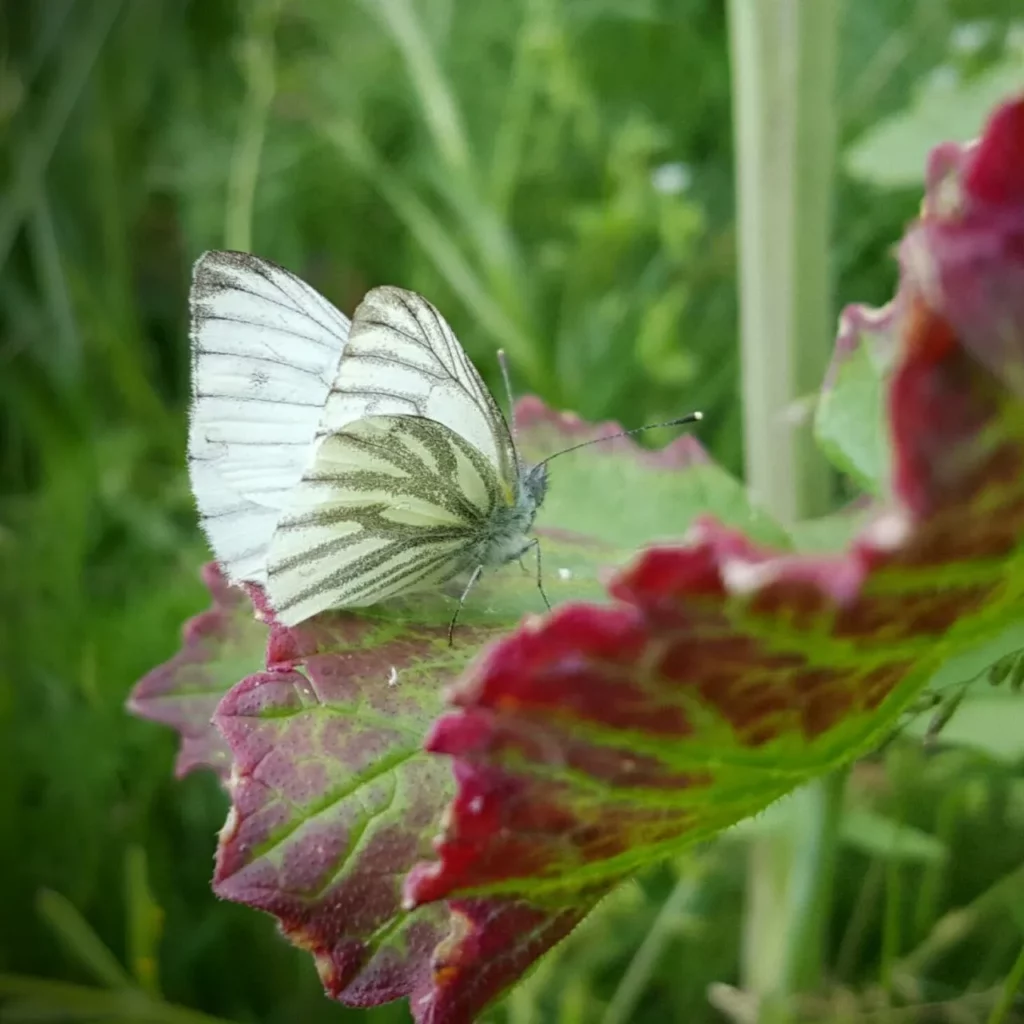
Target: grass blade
x: 440, y: 247
x: 437, y: 101
x: 81, y: 941
x: 34, y: 153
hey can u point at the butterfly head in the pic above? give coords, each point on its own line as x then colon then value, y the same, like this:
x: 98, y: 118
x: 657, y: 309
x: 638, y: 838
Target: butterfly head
x: 534, y: 485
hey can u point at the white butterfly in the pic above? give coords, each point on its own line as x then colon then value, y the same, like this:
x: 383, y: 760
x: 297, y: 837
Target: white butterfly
x: 338, y: 464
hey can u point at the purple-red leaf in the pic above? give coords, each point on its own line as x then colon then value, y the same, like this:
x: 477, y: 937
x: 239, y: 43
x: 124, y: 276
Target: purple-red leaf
x: 605, y: 737
x: 334, y: 798
x: 219, y: 647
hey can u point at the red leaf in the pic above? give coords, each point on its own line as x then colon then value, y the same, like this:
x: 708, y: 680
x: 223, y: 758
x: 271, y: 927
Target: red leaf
x: 993, y: 172
x: 219, y: 646
x: 607, y: 737
x: 333, y: 797
x: 334, y: 800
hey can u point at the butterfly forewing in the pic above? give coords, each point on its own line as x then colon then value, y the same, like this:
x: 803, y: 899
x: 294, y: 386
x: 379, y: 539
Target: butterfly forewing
x: 391, y: 504
x: 402, y: 358
x: 265, y: 351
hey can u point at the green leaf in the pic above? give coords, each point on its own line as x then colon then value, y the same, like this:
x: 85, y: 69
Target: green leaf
x: 831, y: 533
x: 893, y: 153
x: 862, y: 828
x: 851, y: 422
x: 81, y: 941
x: 145, y: 921
x: 628, y: 496
x: 44, y: 999
x: 888, y: 839
x: 991, y: 723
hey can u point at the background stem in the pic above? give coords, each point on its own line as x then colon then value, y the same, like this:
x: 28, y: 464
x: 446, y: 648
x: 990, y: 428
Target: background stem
x: 784, y: 57
x: 634, y: 982
x: 257, y: 60
x: 783, y: 71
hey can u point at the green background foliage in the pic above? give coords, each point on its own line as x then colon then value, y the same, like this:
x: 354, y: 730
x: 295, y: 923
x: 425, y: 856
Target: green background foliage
x: 556, y: 176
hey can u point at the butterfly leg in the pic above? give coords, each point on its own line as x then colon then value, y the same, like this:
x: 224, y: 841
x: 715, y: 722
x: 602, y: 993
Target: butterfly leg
x: 535, y: 544
x: 462, y: 600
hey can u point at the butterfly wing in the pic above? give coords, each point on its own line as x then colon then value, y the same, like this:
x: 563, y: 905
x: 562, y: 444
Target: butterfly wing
x: 392, y: 504
x: 402, y: 358
x: 265, y: 351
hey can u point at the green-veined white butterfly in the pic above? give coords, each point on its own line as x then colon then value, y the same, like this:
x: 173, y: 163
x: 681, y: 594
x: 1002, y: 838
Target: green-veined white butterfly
x: 338, y: 463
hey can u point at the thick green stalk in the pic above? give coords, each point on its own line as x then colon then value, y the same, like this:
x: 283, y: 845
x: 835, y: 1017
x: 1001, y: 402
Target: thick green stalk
x: 783, y: 72
x: 784, y: 55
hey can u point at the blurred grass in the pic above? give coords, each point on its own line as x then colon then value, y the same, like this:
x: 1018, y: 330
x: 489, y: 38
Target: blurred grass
x: 556, y: 176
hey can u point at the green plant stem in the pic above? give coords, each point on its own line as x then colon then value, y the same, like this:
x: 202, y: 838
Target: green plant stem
x: 934, y: 874
x: 75, y: 933
x: 1011, y: 987
x: 440, y: 109
x: 812, y: 876
x: 956, y: 924
x: 784, y: 57
x: 857, y: 926
x: 637, y: 976
x: 524, y: 85
x: 257, y: 59
x: 892, y: 922
x: 67, y: 359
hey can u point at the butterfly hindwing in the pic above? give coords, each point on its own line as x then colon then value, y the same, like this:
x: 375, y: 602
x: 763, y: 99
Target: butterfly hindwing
x: 391, y: 504
x: 265, y: 352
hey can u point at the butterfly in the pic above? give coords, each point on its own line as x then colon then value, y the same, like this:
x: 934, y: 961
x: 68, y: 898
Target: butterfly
x: 339, y: 463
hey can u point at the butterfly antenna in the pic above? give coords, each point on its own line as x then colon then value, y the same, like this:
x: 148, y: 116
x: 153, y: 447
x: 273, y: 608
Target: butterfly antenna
x: 693, y: 417
x: 503, y: 363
